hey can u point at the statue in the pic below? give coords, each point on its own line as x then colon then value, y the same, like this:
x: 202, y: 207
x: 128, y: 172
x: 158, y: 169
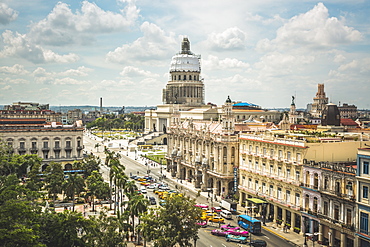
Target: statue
x: 293, y: 100
x: 164, y: 129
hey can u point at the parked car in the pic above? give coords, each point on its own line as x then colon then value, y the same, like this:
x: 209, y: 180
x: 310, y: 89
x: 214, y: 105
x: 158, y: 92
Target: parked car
x: 258, y: 243
x: 202, y: 223
x: 230, y: 227
x: 235, y: 238
x: 238, y: 232
x: 152, y: 200
x: 219, y: 232
x: 217, y: 219
x: 216, y: 209
x: 150, y: 187
x: 201, y: 206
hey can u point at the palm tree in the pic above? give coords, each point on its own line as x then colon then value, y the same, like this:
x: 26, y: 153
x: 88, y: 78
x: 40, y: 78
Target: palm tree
x: 120, y: 181
x: 74, y: 184
x: 137, y: 205
x: 111, y: 161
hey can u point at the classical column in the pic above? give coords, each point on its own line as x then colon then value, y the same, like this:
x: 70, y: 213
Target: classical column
x: 343, y: 239
x: 331, y: 237
x: 275, y: 212
x: 321, y: 233
x: 292, y: 217
x: 283, y: 215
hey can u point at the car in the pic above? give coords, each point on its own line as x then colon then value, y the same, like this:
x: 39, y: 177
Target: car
x: 133, y: 177
x: 141, y: 179
x: 217, y: 219
x: 235, y: 238
x: 201, y: 206
x: 238, y: 232
x: 258, y: 243
x: 218, y: 232
x: 202, y: 223
x: 152, y: 200
x: 150, y: 187
x: 230, y: 227
x: 162, y: 202
x: 216, y: 209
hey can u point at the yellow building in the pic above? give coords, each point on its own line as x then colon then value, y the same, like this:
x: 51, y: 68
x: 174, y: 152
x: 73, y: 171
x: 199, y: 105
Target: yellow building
x: 276, y: 168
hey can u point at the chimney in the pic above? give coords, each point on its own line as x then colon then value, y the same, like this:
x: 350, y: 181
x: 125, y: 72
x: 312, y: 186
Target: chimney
x: 101, y: 105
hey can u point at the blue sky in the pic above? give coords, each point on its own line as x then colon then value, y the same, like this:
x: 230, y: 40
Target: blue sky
x: 74, y: 52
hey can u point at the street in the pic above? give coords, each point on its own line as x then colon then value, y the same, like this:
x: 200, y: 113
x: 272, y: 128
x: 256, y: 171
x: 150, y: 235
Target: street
x: 206, y: 239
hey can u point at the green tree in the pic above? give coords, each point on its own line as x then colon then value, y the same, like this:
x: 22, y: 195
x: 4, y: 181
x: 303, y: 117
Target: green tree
x: 137, y: 205
x: 97, y: 187
x: 88, y: 164
x: 72, y: 186
x: 174, y: 223
x: 54, y: 179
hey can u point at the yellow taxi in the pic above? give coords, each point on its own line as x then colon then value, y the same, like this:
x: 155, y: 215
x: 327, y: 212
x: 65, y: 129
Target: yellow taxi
x: 217, y: 219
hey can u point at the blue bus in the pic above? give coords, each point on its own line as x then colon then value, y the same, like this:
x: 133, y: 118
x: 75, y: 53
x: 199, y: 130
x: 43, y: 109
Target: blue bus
x: 250, y: 224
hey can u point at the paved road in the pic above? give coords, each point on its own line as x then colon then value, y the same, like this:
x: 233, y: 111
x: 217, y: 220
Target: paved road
x: 206, y: 238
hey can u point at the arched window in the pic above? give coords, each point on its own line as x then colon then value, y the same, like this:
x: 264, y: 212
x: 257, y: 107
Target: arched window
x: 316, y: 181
x: 189, y: 77
x: 233, y: 152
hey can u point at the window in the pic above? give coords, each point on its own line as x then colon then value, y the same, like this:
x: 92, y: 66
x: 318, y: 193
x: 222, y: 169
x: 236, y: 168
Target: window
x: 250, y: 148
x: 256, y: 166
x: 297, y: 176
x: 279, y: 193
x: 256, y: 150
x: 365, y: 192
x: 288, y: 156
x: 326, y: 208
x: 68, y: 144
x: 271, y: 169
x: 279, y: 171
x: 250, y: 183
x: 366, y: 168
x: 280, y: 154
x: 21, y: 145
x: 33, y: 145
x: 298, y: 157
x: 288, y: 173
x: 256, y: 186
x: 264, y: 151
x: 46, y: 144
x: 263, y: 167
x: 271, y: 192
x: 264, y: 188
x: 288, y: 196
x: 272, y: 152
x: 364, y: 223
x: 297, y: 199
x: 57, y: 145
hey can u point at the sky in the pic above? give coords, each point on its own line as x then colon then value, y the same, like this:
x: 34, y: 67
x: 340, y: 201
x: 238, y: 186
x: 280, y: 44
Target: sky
x: 264, y: 52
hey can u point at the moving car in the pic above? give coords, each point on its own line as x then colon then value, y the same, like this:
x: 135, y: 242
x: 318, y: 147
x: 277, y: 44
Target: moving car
x: 205, y: 206
x: 219, y: 232
x: 235, y: 238
x: 258, y: 243
x: 152, y: 200
x: 230, y: 227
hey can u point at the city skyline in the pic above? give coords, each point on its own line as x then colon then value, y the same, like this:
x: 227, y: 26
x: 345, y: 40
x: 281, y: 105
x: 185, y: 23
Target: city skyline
x: 75, y: 52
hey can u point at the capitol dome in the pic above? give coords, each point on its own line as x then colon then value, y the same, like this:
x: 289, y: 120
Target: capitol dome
x: 186, y: 60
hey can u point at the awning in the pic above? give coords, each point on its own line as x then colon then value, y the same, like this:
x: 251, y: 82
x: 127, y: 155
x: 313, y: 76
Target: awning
x: 256, y: 200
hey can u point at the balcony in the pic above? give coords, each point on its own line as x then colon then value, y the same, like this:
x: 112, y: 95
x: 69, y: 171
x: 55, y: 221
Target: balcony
x: 57, y: 148
x: 82, y: 147
x: 45, y: 149
x: 22, y: 149
x: 68, y: 148
x: 34, y: 149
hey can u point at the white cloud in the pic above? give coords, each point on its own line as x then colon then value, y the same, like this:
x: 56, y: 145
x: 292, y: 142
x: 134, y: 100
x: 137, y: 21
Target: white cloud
x: 312, y: 29
x: 16, y: 69
x: 62, y: 26
x: 6, y: 88
x: 7, y: 14
x: 12, y: 81
x: 80, y: 71
x: 214, y: 63
x: 154, y: 44
x: 136, y: 72
x: 69, y: 81
x: 40, y: 72
x: 18, y: 45
x: 231, y: 39
x: 276, y: 63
